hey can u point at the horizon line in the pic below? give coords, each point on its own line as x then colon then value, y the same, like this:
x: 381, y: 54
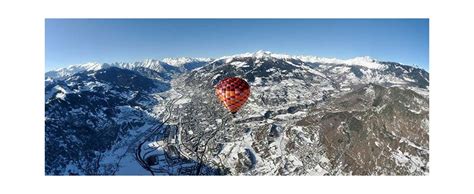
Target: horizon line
x: 420, y: 66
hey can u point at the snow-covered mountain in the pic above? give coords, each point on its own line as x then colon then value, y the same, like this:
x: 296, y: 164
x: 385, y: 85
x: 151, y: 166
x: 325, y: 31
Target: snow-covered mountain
x: 306, y: 116
x: 170, y: 65
x: 365, y: 61
x: 186, y: 62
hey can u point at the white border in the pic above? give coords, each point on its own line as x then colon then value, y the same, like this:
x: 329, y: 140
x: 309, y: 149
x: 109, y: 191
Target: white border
x: 22, y: 87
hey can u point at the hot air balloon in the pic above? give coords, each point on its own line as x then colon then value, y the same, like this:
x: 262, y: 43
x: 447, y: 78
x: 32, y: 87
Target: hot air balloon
x: 233, y: 92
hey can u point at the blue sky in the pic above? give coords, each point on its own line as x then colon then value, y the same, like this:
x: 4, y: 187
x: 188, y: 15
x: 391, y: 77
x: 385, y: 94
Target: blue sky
x: 75, y: 41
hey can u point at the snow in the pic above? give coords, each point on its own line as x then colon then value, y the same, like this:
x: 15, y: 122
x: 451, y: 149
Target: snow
x: 415, y: 111
x: 421, y: 91
x: 301, y: 134
x: 409, y: 79
x: 313, y: 71
x: 364, y: 61
x: 400, y: 158
x: 61, y: 92
x: 408, y: 142
x: 261, y: 54
x: 154, y: 64
x: 257, y: 82
x: 295, y: 89
x: 317, y: 171
x: 183, y: 101
x: 180, y: 61
x: 340, y: 70
x: 72, y: 69
x: 239, y: 64
x: 129, y: 166
x: 357, y: 61
x: 216, y: 76
x: 271, y: 70
x: 298, y: 129
x: 345, y: 89
x: 293, y: 162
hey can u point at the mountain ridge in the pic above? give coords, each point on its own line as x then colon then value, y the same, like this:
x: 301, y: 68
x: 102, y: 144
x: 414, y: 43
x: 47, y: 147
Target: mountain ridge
x: 366, y: 61
x: 305, y: 116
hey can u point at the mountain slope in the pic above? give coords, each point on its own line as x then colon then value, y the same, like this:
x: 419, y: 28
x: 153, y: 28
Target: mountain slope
x: 167, y: 67
x: 88, y: 112
x: 306, y: 115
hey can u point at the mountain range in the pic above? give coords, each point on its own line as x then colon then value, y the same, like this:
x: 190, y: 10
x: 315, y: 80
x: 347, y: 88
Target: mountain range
x: 306, y: 115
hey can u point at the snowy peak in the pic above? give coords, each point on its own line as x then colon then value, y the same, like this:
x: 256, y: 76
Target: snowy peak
x: 91, y: 66
x: 150, y: 64
x: 261, y: 54
x: 179, y: 62
x: 307, y: 107
x: 184, y: 63
x: 72, y: 69
x: 364, y: 61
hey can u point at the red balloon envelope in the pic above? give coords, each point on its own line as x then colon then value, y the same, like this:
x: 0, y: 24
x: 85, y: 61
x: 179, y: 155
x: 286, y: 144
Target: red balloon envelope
x: 233, y: 92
